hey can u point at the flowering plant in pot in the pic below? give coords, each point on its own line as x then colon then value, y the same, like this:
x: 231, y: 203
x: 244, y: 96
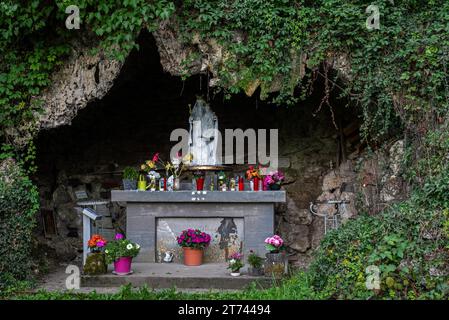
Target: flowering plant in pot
x: 276, y: 263
x: 121, y: 252
x: 193, y: 242
x: 96, y: 261
x: 255, y: 264
x: 235, y: 263
x: 273, y: 180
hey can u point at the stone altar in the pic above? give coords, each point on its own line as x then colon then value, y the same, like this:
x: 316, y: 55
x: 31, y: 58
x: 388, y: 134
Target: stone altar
x: 256, y: 208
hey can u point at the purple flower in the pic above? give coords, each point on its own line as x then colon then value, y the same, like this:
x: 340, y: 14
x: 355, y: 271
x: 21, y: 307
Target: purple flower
x: 100, y: 244
x: 119, y: 236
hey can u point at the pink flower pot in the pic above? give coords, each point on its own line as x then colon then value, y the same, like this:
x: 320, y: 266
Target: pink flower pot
x: 123, y: 265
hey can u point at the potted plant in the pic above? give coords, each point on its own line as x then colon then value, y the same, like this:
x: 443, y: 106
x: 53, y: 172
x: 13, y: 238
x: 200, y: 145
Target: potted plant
x: 253, y: 174
x: 275, y: 263
x: 273, y: 181
x: 96, y: 261
x: 121, y: 252
x: 235, y: 263
x: 193, y: 242
x: 255, y: 264
x: 129, y: 180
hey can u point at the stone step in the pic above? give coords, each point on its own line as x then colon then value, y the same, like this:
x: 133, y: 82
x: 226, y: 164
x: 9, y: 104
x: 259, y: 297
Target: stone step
x: 170, y: 275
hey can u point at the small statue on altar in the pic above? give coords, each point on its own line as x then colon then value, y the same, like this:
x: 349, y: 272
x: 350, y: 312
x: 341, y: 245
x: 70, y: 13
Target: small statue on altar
x: 232, y: 184
x: 153, y: 176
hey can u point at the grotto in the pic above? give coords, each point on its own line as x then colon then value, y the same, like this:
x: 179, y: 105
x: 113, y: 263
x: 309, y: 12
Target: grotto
x: 134, y: 119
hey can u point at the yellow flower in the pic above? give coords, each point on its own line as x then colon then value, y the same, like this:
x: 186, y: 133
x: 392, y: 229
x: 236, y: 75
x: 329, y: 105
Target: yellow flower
x: 188, y: 157
x: 142, y: 167
x: 150, y: 164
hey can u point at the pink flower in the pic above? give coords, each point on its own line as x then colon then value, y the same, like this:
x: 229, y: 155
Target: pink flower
x: 119, y: 236
x: 156, y: 157
x: 100, y: 244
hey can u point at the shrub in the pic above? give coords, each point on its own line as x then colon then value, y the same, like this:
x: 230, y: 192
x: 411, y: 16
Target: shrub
x: 19, y: 202
x: 408, y: 243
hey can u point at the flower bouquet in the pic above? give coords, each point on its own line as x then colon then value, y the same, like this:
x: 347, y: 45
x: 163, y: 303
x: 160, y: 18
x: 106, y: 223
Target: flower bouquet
x: 273, y: 180
x: 235, y: 263
x: 254, y: 175
x: 175, y: 168
x: 121, y: 252
x: 193, y: 242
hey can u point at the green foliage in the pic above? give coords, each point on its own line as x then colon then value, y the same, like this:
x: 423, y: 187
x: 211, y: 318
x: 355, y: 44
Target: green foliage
x: 130, y: 173
x: 397, y: 72
x: 254, y: 260
x: 34, y: 42
x: 19, y: 202
x: 407, y: 243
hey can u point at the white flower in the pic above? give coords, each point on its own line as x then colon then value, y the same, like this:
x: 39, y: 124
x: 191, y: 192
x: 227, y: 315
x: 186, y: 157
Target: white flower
x: 137, y: 246
x: 129, y: 246
x: 232, y: 261
x: 106, y: 251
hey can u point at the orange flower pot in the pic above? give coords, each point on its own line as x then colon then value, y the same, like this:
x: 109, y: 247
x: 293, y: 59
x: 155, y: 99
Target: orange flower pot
x: 193, y: 257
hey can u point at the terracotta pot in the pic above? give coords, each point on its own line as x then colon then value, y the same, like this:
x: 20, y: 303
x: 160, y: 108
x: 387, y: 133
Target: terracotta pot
x: 193, y: 257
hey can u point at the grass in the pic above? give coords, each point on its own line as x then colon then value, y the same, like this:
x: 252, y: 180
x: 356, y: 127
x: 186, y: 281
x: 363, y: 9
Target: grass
x: 293, y: 288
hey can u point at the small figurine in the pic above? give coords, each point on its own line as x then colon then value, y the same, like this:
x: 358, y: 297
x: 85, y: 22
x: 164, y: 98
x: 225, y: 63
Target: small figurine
x: 170, y: 183
x: 168, y: 257
x: 232, y: 184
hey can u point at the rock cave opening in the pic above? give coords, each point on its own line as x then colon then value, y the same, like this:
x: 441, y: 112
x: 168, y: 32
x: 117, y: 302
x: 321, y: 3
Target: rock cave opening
x: 135, y: 119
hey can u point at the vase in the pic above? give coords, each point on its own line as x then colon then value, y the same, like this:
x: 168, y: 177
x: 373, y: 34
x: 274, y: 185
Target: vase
x: 193, y: 256
x: 200, y: 184
x: 95, y: 264
x: 256, y: 184
x: 176, y: 184
x: 122, y: 265
x: 255, y: 272
x: 235, y: 274
x: 275, y: 264
x: 129, y: 184
x: 275, y: 186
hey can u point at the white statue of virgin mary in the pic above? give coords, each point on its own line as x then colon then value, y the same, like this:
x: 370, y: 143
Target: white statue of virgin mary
x: 203, y: 134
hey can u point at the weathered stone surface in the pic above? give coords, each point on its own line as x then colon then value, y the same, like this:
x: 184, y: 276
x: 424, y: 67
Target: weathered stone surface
x: 83, y: 78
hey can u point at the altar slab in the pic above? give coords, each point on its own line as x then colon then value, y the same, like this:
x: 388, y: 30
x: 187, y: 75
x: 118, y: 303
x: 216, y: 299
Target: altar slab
x: 145, y: 207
